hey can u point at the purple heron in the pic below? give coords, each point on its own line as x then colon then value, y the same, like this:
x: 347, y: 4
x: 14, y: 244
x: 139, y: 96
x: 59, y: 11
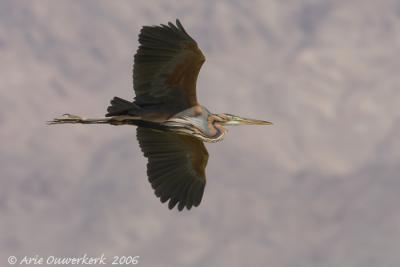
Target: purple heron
x: 172, y: 125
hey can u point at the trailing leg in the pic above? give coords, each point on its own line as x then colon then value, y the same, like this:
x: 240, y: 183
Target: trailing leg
x: 115, y: 120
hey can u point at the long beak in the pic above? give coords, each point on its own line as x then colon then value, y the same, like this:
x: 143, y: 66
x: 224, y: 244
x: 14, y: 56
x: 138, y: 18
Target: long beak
x: 235, y: 120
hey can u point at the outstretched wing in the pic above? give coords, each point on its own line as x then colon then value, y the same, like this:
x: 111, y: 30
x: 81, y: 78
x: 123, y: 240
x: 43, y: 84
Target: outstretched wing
x: 166, y: 67
x: 176, y: 166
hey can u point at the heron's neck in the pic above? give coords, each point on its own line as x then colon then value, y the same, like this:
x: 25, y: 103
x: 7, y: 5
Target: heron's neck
x: 220, y: 132
x: 204, y: 129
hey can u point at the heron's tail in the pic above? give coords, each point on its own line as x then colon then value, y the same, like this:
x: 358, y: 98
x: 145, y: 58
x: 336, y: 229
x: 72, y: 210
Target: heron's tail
x: 119, y: 106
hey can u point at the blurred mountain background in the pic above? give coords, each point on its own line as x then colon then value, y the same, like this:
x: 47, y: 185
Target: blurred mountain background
x: 318, y: 188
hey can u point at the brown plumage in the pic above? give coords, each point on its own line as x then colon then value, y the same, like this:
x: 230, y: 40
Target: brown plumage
x: 176, y: 166
x: 166, y: 67
x: 172, y: 125
x: 165, y: 72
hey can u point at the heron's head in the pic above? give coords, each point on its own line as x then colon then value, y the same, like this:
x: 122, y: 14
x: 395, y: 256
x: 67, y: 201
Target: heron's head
x: 229, y: 119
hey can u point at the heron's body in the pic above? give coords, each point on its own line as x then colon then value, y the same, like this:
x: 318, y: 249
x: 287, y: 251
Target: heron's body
x: 172, y: 125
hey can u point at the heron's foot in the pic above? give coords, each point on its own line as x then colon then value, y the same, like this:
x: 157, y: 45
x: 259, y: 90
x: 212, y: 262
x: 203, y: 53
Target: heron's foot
x: 66, y: 118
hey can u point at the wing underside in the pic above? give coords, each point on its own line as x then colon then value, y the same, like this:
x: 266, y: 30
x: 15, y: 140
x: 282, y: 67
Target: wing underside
x: 176, y: 166
x: 166, y: 67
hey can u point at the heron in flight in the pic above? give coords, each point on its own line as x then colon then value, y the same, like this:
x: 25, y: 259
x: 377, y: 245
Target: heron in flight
x: 172, y: 125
